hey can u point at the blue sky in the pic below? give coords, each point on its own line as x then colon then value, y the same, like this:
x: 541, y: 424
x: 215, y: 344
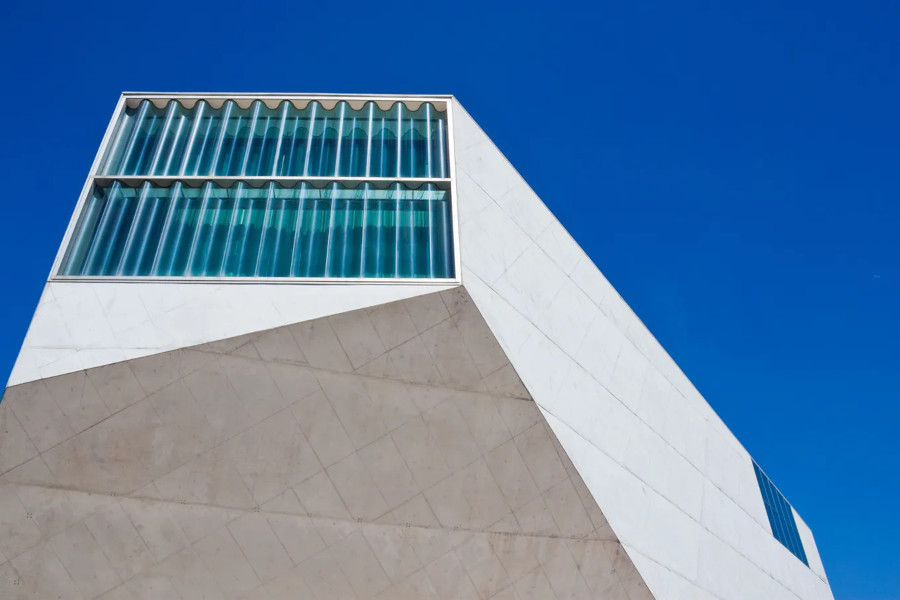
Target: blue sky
x: 731, y: 167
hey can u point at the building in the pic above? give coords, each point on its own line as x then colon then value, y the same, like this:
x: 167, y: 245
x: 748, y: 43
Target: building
x: 324, y: 346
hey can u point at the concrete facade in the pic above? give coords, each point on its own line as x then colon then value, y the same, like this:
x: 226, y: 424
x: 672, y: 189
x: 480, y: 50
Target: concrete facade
x: 515, y: 434
x: 390, y: 452
x: 676, y: 485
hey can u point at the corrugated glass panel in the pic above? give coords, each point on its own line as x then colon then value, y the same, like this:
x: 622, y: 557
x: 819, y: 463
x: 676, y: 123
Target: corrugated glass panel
x: 781, y: 516
x: 301, y: 230
x: 285, y: 141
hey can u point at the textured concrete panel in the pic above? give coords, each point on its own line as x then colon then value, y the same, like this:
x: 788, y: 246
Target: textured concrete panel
x: 388, y: 452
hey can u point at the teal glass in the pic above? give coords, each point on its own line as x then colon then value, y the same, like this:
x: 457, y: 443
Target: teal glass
x: 302, y: 230
x: 781, y: 516
x: 258, y: 141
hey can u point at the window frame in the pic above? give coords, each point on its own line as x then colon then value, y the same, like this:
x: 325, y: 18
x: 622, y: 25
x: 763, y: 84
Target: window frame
x: 778, y: 522
x: 95, y: 178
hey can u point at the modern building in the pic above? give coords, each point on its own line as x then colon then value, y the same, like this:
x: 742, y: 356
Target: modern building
x: 318, y: 346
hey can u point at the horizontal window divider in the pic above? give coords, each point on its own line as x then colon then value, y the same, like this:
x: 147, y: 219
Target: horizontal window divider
x: 167, y: 180
x: 278, y: 177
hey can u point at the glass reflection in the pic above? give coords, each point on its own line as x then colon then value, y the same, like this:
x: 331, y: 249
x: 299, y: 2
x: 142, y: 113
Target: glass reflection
x: 284, y: 141
x: 329, y: 230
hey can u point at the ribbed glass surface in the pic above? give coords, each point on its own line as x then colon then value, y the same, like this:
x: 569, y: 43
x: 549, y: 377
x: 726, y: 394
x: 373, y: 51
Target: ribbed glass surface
x: 327, y: 230
x: 781, y: 516
x: 284, y: 141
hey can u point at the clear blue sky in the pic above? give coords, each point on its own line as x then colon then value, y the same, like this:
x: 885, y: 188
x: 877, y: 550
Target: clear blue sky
x: 731, y: 167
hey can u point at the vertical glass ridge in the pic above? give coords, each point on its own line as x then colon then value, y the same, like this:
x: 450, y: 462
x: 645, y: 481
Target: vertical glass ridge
x: 781, y: 516
x: 223, y: 210
x: 285, y: 141
x: 329, y: 230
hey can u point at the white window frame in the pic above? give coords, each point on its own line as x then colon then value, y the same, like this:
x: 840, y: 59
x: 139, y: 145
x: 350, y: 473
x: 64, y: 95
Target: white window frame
x: 94, y: 177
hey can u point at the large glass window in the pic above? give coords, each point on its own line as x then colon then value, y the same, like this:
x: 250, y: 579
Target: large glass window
x: 285, y: 141
x: 305, y: 229
x: 281, y: 188
x: 781, y: 516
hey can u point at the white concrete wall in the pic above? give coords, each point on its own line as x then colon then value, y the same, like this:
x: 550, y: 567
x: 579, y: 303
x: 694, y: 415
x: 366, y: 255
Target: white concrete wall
x: 79, y: 325
x: 676, y: 486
